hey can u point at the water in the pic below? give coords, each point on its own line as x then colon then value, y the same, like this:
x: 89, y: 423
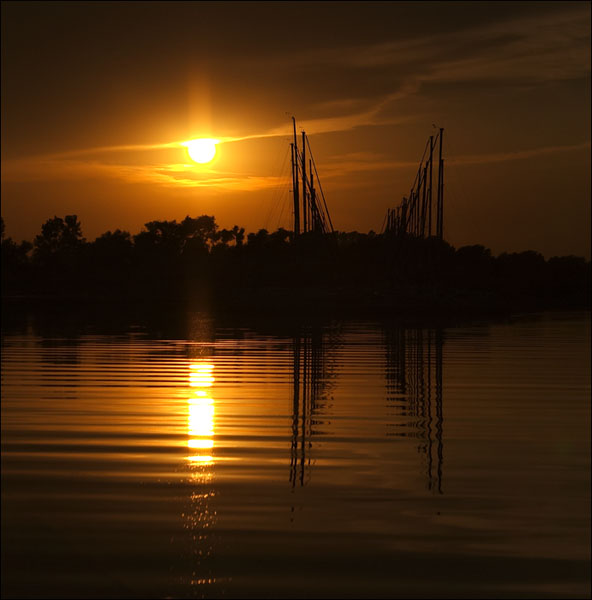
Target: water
x: 351, y: 459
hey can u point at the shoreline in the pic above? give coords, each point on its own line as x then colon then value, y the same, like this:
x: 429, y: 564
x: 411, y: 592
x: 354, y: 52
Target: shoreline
x: 304, y: 303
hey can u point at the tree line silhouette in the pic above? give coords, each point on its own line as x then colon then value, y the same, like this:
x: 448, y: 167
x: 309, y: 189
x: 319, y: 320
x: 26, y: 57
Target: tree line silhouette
x: 195, y: 259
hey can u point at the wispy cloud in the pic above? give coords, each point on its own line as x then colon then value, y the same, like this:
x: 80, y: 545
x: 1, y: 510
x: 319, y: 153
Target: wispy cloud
x: 353, y: 162
x: 122, y: 148
x: 135, y: 163
x: 479, y: 159
x: 543, y: 47
x: 367, y: 118
x: 101, y: 150
x: 181, y: 175
x: 342, y: 165
x: 170, y: 175
x: 528, y: 50
x: 525, y: 51
x: 111, y: 161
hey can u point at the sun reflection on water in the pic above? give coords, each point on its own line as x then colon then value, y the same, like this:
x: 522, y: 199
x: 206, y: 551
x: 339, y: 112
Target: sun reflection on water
x: 201, y: 412
x: 200, y: 518
x: 200, y: 375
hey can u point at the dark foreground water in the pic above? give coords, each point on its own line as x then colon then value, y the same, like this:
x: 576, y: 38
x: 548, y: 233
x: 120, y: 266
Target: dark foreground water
x: 352, y: 459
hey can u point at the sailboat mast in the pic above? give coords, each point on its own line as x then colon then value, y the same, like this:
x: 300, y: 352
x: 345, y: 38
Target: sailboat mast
x: 295, y: 183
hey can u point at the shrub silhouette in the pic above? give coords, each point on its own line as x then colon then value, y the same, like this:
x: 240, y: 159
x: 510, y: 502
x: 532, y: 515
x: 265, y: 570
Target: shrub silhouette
x: 173, y: 260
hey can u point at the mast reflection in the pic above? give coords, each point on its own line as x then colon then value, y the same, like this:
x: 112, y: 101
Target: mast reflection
x: 312, y: 375
x: 414, y: 390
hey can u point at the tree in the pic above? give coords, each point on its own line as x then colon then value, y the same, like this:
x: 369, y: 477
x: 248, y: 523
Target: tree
x: 15, y: 261
x: 203, y: 229
x: 225, y: 236
x: 114, y: 245
x: 58, y: 236
x: 239, y: 235
x: 259, y: 239
x: 280, y: 237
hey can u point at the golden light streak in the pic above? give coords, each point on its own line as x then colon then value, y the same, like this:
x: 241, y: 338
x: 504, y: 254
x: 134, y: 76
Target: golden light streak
x: 200, y: 443
x: 200, y: 413
x: 201, y: 375
x: 204, y: 460
x: 201, y: 417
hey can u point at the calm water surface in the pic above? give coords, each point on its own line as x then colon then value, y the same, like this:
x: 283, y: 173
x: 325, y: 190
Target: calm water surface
x: 354, y: 459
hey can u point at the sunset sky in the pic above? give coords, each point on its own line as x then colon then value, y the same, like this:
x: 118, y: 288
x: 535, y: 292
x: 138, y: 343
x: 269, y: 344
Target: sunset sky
x: 97, y: 98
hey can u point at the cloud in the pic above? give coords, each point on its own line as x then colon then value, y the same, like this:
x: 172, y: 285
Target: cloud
x: 552, y: 46
x: 525, y: 50
x: 367, y: 118
x: 103, y: 161
x: 362, y: 161
x: 170, y: 175
x: 345, y: 164
x: 548, y: 46
x: 480, y: 159
x: 180, y: 175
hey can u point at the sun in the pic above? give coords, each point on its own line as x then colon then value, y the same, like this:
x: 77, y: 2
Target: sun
x: 202, y: 150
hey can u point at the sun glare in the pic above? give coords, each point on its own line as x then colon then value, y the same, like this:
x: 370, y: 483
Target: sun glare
x: 202, y: 150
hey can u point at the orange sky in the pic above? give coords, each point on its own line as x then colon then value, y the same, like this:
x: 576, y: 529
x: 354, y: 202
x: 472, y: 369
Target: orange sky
x: 96, y: 98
